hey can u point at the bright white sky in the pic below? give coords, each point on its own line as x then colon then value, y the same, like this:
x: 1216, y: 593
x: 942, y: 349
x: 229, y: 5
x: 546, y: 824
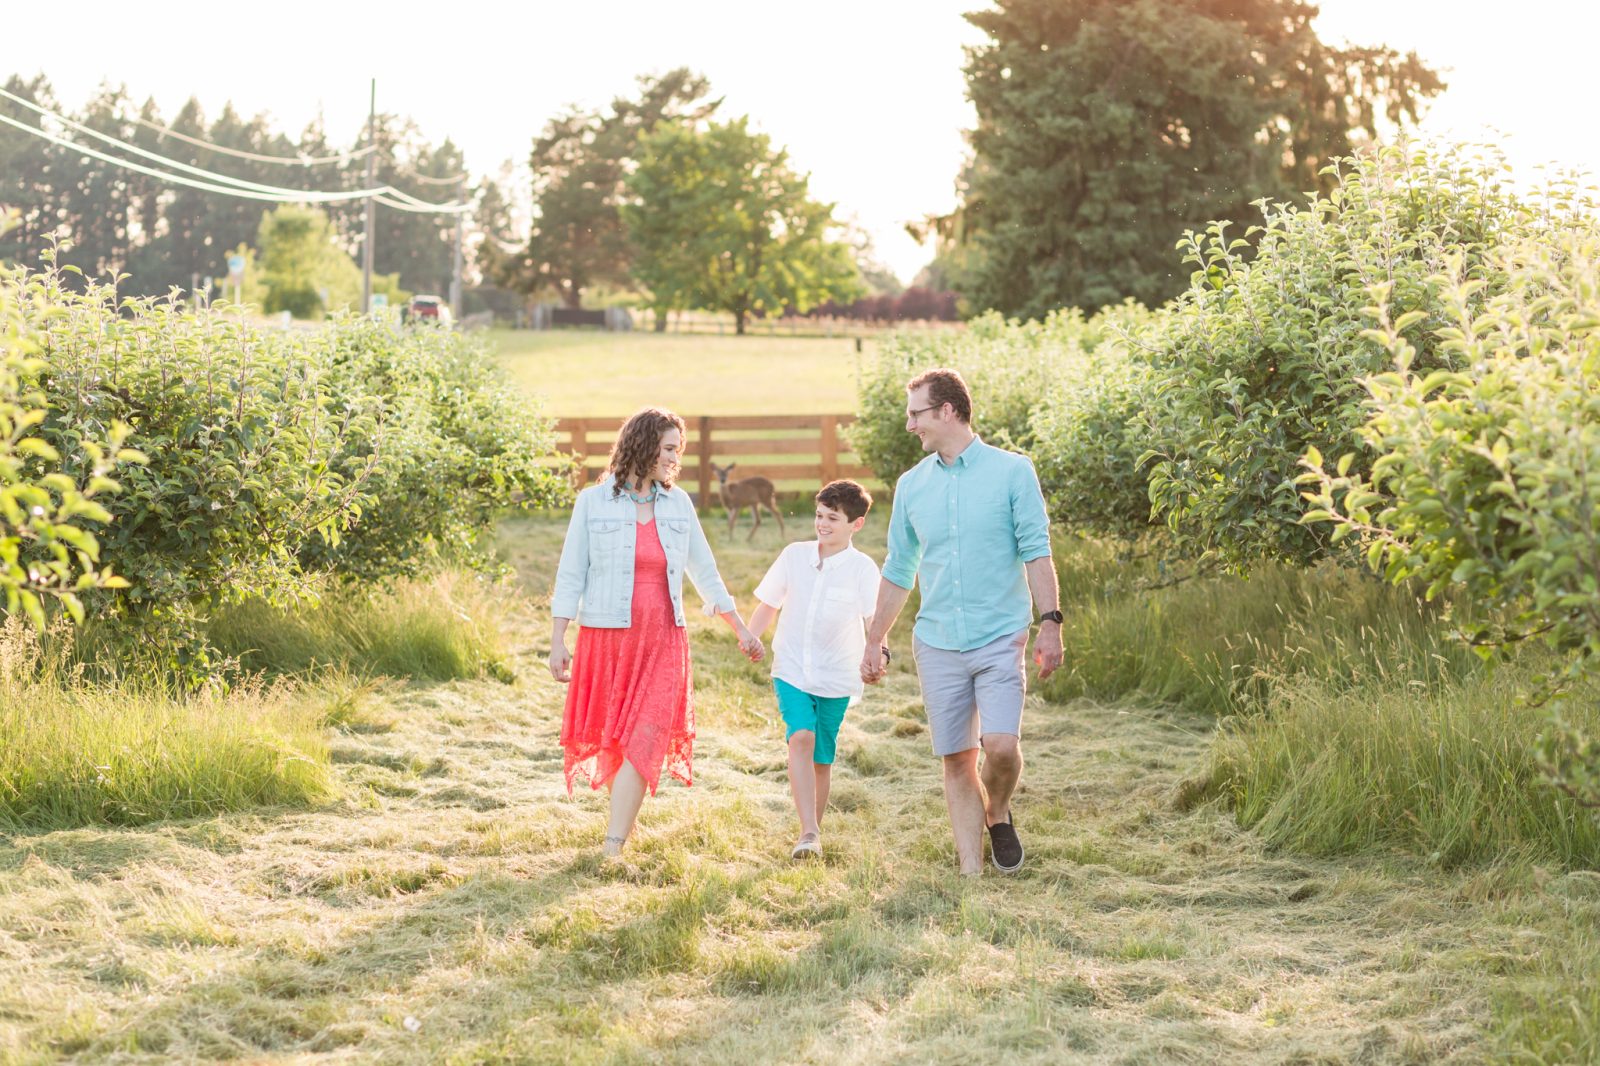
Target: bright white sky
x: 867, y: 94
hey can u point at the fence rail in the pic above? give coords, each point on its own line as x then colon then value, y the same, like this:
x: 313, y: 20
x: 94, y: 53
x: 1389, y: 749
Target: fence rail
x: 721, y: 439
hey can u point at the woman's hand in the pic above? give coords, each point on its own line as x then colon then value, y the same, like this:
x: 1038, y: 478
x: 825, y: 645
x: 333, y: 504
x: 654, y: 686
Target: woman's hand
x: 560, y: 660
x: 750, y: 644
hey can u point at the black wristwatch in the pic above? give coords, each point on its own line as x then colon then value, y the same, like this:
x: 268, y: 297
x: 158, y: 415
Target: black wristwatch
x: 1052, y: 616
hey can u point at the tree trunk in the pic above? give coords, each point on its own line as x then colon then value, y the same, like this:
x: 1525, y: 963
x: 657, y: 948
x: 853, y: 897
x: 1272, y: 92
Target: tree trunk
x: 738, y: 323
x: 661, y: 321
x: 572, y: 295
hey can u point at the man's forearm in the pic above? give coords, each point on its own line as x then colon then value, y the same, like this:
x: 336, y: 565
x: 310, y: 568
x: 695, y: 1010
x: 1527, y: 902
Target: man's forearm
x: 1042, y: 584
x: 891, y: 601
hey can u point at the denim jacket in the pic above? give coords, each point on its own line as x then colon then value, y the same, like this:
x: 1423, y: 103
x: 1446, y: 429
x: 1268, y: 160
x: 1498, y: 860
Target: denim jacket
x: 594, y: 580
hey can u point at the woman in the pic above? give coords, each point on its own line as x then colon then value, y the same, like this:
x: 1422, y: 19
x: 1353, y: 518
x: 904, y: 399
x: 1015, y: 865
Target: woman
x: 631, y: 539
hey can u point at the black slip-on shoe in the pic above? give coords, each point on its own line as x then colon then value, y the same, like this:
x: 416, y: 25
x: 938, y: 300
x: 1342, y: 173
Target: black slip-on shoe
x: 1004, y: 847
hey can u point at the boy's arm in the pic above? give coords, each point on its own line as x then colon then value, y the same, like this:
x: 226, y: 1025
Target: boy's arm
x: 762, y: 617
x: 771, y: 593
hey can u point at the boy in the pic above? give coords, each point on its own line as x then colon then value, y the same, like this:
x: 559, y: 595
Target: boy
x: 826, y: 590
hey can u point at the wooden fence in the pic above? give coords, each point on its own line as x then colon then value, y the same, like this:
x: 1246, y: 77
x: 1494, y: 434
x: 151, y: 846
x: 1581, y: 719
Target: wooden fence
x: 761, y: 445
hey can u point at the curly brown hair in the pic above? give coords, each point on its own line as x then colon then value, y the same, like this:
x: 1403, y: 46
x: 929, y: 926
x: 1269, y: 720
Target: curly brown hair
x: 638, y: 446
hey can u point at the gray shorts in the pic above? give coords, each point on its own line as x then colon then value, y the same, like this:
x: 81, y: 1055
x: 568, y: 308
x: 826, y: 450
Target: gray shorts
x: 970, y: 693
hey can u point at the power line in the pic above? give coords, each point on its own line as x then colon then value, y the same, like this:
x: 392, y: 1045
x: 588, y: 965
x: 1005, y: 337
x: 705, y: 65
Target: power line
x: 224, y: 179
x: 387, y: 195
x: 453, y: 179
x: 286, y: 196
x: 305, y: 161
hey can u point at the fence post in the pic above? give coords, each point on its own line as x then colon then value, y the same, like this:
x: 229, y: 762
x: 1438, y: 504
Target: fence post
x: 705, y: 460
x: 830, y: 448
x: 579, y: 428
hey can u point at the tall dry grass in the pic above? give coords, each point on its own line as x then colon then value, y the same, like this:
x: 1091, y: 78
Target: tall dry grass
x: 1449, y: 772
x: 77, y: 753
x: 1219, y: 644
x: 439, y: 628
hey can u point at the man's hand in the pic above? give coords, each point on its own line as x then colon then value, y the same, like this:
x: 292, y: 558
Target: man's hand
x: 1047, y: 653
x: 873, y: 665
x: 751, y: 645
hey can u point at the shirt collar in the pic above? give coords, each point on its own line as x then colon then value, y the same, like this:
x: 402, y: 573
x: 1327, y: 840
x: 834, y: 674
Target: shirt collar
x: 832, y: 562
x: 967, y: 456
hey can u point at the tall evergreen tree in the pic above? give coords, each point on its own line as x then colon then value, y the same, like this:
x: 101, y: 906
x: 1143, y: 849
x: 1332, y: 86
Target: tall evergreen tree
x: 1108, y: 127
x: 29, y: 171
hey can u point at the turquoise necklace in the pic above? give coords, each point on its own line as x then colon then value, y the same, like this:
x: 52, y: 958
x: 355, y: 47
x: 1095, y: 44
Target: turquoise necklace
x: 650, y: 497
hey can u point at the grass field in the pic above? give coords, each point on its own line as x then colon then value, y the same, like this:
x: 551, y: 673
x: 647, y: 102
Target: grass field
x: 584, y: 373
x: 451, y: 907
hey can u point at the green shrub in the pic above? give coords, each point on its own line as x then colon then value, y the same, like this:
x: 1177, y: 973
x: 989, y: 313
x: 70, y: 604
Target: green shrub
x: 48, y: 505
x: 274, y: 457
x: 249, y: 458
x: 1090, y: 438
x: 1266, y: 354
x: 1486, y: 478
x: 1009, y: 366
x: 453, y: 443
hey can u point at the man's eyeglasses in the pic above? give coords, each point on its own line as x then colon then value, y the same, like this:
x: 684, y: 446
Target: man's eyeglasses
x: 911, y: 414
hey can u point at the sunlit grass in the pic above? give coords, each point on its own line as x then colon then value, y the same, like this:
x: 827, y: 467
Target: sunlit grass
x: 588, y: 372
x: 126, y: 754
x: 455, y: 907
x: 450, y: 625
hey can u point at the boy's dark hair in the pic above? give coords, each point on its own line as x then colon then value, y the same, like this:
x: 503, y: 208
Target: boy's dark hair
x: 846, y: 496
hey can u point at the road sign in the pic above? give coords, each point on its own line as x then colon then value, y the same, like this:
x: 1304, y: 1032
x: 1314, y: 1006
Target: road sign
x: 236, y: 266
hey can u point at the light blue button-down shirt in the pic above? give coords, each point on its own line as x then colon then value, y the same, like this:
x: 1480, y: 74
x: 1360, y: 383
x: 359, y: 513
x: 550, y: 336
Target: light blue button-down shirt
x: 965, y: 530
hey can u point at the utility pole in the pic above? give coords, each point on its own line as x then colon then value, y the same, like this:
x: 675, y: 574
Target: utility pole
x: 372, y: 161
x: 455, y: 277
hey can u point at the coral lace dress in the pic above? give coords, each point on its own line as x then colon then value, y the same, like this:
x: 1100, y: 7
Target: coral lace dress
x: 630, y: 696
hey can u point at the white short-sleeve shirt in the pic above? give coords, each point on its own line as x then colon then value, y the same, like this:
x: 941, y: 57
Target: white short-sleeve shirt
x: 824, y: 606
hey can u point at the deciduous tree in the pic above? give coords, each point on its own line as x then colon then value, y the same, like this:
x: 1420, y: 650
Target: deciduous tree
x: 720, y: 220
x: 579, y: 164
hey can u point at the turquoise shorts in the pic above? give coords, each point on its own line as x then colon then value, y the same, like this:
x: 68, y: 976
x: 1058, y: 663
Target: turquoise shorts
x: 821, y: 715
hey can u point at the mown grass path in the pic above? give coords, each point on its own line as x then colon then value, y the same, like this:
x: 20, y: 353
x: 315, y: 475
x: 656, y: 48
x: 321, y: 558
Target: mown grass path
x: 454, y: 909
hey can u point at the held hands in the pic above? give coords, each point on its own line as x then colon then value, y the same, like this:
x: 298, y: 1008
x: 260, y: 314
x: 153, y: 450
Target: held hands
x: 874, y: 663
x: 750, y: 644
x: 1047, y: 653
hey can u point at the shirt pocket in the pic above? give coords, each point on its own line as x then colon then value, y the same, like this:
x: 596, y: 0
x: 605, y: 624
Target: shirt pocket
x: 839, y: 606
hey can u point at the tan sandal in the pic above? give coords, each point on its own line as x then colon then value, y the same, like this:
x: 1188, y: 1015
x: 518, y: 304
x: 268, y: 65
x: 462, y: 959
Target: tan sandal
x: 808, y: 846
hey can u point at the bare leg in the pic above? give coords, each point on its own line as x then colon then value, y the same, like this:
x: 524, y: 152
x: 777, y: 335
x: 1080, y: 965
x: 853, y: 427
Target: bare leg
x: 823, y: 772
x: 627, y: 794
x: 1002, y: 767
x: 802, y: 780
x: 963, y: 795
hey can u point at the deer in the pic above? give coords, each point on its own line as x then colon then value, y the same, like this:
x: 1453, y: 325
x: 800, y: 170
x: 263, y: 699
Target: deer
x: 752, y: 492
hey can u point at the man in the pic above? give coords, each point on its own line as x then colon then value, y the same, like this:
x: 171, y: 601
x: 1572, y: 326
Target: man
x: 969, y: 521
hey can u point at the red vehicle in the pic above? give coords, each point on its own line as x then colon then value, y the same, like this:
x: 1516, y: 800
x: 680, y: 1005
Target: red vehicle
x: 429, y: 308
